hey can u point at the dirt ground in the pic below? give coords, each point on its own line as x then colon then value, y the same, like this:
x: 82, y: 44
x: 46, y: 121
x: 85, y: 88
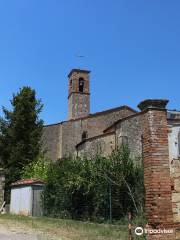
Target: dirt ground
x: 14, y: 233
x: 27, y: 228
x: 10, y: 234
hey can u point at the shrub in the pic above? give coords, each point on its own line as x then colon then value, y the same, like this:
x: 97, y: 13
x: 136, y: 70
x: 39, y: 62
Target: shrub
x: 85, y: 187
x: 37, y: 169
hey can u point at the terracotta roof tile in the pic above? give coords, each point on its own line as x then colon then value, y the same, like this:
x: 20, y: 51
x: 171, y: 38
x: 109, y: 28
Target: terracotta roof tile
x: 30, y: 181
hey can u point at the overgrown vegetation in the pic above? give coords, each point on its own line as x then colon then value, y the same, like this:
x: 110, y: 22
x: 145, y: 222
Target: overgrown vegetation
x: 20, y: 134
x: 37, y: 169
x: 97, y: 188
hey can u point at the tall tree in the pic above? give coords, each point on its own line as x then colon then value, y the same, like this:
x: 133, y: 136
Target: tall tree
x: 20, y: 133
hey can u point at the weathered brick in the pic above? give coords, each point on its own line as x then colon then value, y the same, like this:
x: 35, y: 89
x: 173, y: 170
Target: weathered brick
x: 157, y: 179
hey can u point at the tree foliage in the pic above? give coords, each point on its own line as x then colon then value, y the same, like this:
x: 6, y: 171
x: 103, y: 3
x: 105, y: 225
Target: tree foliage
x: 78, y: 187
x: 37, y: 169
x: 20, y: 133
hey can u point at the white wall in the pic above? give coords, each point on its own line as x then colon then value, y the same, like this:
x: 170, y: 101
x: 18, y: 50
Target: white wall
x: 173, y: 142
x: 21, y: 199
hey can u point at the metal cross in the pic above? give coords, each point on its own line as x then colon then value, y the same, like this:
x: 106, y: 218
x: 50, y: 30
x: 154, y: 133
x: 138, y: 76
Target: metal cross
x: 79, y: 57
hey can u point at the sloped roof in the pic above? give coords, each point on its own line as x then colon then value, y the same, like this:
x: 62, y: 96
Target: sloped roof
x: 27, y: 182
x: 121, y: 120
x: 91, y: 115
x: 93, y: 138
x: 79, y: 71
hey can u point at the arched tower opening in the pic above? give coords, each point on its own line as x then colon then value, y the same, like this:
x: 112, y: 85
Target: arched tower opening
x: 81, y: 84
x: 84, y: 136
x: 79, y: 95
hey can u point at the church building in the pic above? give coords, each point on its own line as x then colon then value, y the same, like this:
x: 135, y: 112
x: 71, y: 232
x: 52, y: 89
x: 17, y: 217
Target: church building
x: 100, y: 132
x: 83, y: 131
x: 152, y: 134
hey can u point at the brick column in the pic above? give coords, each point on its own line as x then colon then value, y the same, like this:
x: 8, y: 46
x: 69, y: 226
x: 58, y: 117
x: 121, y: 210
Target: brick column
x: 158, y: 205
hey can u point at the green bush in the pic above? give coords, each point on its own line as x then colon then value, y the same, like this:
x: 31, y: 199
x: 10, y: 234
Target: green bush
x: 83, y: 187
x: 37, y: 168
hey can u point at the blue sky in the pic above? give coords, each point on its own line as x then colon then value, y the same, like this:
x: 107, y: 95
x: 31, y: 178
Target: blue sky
x: 131, y: 47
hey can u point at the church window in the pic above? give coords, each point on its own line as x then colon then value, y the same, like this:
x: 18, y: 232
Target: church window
x: 84, y: 135
x: 70, y: 84
x: 81, y: 85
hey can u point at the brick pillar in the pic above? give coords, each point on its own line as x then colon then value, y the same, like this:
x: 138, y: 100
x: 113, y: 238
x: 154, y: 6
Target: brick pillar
x: 158, y: 205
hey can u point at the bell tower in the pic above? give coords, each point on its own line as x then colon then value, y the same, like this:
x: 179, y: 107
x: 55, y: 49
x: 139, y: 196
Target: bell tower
x: 79, y: 95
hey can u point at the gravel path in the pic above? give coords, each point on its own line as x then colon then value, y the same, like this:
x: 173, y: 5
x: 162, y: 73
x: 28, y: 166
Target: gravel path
x: 17, y: 234
x: 11, y: 236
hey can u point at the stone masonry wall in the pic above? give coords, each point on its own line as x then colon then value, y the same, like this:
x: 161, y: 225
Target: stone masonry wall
x: 94, y: 125
x: 78, y: 105
x: 103, y: 144
x: 52, y: 141
x: 174, y: 162
x: 131, y: 127
x: 175, y: 174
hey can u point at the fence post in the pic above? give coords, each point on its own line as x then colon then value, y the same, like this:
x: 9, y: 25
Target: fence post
x: 110, y: 201
x: 130, y: 226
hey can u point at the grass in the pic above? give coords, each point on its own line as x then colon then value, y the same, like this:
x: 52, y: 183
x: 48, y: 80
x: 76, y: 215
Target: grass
x: 66, y: 229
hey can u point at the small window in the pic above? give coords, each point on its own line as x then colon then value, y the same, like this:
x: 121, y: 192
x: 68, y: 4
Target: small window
x: 70, y: 85
x: 81, y: 85
x: 179, y: 144
x: 84, y: 135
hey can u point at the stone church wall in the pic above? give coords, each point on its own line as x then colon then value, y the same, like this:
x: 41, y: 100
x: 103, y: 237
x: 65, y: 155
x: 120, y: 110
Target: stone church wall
x: 175, y: 176
x: 103, y: 144
x: 52, y: 141
x: 94, y: 125
x: 174, y: 158
x: 131, y: 129
x: 71, y: 135
x: 78, y: 105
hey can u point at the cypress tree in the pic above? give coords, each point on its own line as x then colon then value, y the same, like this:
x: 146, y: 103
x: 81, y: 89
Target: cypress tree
x: 20, y: 133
